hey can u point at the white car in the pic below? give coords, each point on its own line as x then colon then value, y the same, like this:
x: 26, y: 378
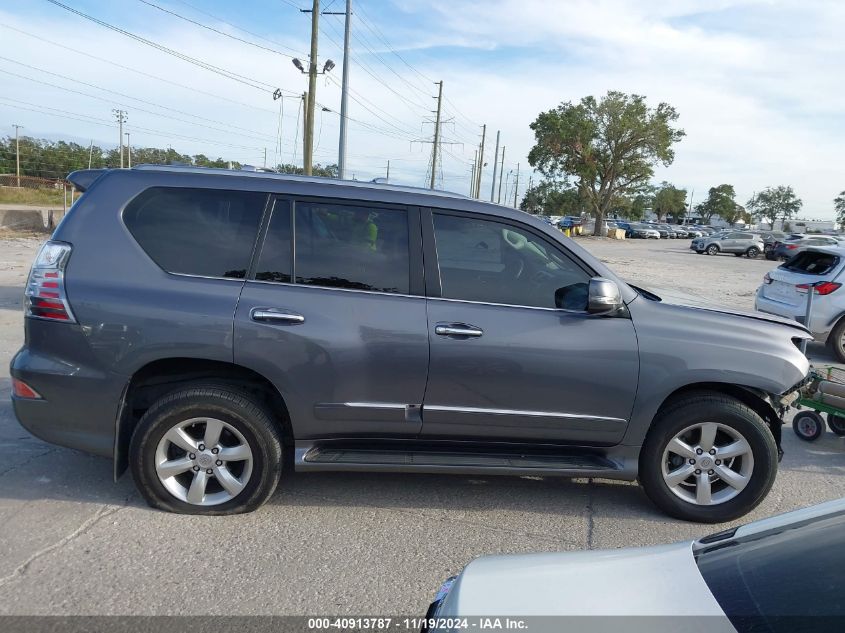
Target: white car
x: 779, y: 574
x: 784, y: 292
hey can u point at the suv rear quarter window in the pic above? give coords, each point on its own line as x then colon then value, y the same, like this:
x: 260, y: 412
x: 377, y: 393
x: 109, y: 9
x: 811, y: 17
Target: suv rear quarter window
x: 204, y: 232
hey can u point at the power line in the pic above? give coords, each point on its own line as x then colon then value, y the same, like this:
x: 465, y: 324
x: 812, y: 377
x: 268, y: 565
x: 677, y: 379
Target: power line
x: 213, y: 30
x: 135, y: 70
x: 248, y: 81
x: 228, y: 125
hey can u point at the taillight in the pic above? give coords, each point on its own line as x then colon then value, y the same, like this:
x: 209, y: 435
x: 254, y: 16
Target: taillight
x: 767, y: 279
x: 791, y: 247
x: 45, y: 296
x: 824, y: 288
x: 22, y: 390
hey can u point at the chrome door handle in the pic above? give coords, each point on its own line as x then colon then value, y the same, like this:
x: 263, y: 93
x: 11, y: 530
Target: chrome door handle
x: 457, y: 329
x: 276, y: 315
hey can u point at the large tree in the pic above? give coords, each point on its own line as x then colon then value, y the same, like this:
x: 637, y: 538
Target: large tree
x: 553, y: 197
x: 610, y: 145
x: 839, y: 207
x: 670, y: 200
x: 720, y: 201
x: 773, y: 204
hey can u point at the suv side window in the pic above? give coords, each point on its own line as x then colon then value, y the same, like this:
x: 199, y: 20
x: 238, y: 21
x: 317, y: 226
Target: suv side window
x: 353, y: 247
x: 204, y: 232
x: 274, y: 262
x: 494, y: 262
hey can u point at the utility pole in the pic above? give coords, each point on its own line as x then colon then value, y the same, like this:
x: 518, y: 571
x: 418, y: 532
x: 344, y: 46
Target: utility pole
x: 265, y: 158
x: 344, y: 97
x: 312, y: 88
x: 495, y: 166
x: 90, y: 153
x: 501, y: 173
x: 516, y: 186
x: 480, y: 161
x: 436, y: 146
x: 17, y: 153
x: 128, y: 152
x: 387, y: 178
x: 120, y: 115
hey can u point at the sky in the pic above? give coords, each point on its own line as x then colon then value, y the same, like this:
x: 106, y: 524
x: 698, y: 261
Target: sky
x: 757, y: 83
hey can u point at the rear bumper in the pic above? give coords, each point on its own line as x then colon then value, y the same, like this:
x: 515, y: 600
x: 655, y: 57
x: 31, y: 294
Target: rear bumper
x: 78, y: 406
x: 821, y: 321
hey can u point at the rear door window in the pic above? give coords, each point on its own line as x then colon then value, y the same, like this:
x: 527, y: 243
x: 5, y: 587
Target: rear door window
x: 203, y: 232
x: 353, y: 247
x: 812, y: 263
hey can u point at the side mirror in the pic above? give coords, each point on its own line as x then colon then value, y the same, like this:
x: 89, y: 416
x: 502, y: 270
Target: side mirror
x: 603, y: 296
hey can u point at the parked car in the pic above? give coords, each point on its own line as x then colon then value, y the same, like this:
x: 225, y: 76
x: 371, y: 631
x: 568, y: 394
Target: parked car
x: 789, y: 248
x: 681, y: 232
x: 735, y: 242
x: 785, y: 289
x: 778, y: 574
x: 663, y: 231
x: 694, y: 231
x: 205, y: 326
x: 643, y: 231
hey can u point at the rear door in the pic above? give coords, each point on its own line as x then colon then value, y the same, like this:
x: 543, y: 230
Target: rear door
x: 333, y: 314
x: 514, y: 355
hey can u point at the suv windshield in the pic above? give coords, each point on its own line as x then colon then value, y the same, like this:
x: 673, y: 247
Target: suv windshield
x: 812, y: 263
x: 795, y: 571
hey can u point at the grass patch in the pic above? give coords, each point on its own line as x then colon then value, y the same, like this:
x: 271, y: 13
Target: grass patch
x: 36, y: 197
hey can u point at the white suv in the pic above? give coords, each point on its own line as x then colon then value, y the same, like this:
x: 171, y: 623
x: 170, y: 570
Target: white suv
x: 785, y: 290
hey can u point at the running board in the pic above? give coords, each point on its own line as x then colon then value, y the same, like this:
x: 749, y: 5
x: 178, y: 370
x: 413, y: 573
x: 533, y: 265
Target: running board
x: 314, y: 458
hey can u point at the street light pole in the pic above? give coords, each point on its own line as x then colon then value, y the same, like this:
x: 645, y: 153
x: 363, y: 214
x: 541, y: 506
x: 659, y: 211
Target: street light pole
x: 495, y: 168
x: 128, y: 150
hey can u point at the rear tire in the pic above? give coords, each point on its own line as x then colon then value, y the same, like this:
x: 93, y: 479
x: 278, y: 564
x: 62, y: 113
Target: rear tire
x: 753, y: 471
x: 239, y: 469
x: 836, y: 340
x: 836, y: 424
x: 712, y: 250
x: 808, y: 425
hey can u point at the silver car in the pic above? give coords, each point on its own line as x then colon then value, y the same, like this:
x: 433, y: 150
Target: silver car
x: 777, y: 571
x: 784, y: 292
x: 738, y: 243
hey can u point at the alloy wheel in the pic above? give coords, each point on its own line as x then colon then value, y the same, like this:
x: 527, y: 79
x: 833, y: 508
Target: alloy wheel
x: 203, y: 461
x: 707, y: 463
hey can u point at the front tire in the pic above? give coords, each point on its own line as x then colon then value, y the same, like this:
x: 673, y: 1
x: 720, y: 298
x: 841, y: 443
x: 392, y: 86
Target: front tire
x: 208, y: 449
x: 752, y: 252
x: 712, y: 250
x: 708, y: 458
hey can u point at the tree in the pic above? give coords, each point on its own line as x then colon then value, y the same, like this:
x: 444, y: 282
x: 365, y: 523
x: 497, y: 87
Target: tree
x: 326, y: 171
x: 553, y: 197
x: 839, y: 207
x: 720, y: 201
x: 773, y: 204
x: 640, y: 204
x: 670, y: 200
x: 610, y: 146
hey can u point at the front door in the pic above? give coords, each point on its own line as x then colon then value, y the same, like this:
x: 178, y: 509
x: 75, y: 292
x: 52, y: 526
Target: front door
x: 514, y: 355
x: 333, y: 314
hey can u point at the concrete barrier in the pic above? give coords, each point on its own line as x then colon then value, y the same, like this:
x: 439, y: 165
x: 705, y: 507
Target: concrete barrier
x: 23, y: 219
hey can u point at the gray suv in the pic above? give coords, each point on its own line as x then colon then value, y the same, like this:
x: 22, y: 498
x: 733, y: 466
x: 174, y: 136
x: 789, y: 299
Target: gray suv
x: 205, y: 327
x: 737, y: 242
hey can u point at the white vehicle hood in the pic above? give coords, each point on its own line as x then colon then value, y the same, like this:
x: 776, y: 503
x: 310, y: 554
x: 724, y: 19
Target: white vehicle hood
x: 649, y: 581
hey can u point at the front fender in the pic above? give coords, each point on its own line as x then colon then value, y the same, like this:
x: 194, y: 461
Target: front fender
x: 684, y: 347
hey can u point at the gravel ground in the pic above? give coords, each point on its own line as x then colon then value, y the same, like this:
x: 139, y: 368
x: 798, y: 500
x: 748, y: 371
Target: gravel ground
x: 74, y: 542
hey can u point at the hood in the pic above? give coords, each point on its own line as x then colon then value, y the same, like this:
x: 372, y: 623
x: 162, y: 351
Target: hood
x: 647, y: 581
x: 679, y: 298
